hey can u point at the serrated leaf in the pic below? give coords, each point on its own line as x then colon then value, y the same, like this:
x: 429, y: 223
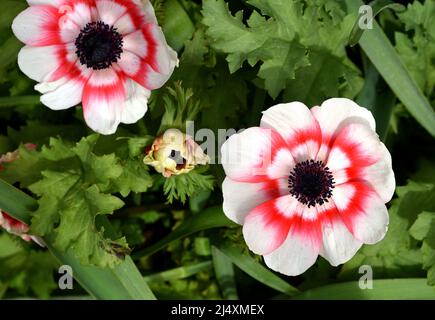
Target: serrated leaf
x: 283, y: 38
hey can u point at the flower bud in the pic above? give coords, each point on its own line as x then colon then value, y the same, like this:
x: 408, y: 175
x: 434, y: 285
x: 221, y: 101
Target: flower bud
x: 174, y: 153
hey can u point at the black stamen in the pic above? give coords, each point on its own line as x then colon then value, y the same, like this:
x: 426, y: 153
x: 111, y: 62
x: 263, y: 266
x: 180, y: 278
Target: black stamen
x: 311, y: 182
x: 98, y: 45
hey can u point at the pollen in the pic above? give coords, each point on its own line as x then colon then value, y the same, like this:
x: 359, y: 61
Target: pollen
x: 311, y: 183
x: 99, y: 45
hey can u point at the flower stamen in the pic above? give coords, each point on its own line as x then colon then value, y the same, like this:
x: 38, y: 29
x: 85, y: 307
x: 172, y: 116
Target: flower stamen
x: 311, y: 182
x: 99, y: 45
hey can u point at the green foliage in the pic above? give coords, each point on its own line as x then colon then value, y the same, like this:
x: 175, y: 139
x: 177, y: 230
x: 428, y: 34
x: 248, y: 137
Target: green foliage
x: 297, y: 44
x: 424, y: 230
x: 236, y: 59
x: 418, y: 51
x: 199, y: 61
x: 24, y: 270
x: 74, y: 186
x: 180, y: 187
x: 399, y: 255
x: 180, y: 107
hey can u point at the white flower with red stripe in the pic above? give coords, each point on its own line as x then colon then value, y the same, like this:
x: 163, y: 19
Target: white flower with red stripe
x: 7, y: 222
x: 308, y: 183
x: 18, y: 228
x: 106, y: 54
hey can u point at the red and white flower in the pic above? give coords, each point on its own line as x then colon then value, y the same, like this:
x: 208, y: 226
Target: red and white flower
x: 106, y: 54
x: 7, y: 222
x: 308, y: 183
x: 18, y: 228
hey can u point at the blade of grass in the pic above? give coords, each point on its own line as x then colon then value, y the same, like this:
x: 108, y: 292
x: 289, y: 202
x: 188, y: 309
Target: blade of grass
x: 16, y: 202
x: 122, y: 282
x: 384, y: 57
x: 377, y: 6
x: 378, y: 98
x: 256, y: 270
x: 387, y: 289
x: 224, y: 271
x: 211, y: 218
x: 178, y: 273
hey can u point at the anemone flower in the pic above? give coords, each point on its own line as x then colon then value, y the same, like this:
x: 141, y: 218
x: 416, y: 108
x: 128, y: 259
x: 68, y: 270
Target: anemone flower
x: 18, y: 228
x: 106, y: 54
x: 308, y: 183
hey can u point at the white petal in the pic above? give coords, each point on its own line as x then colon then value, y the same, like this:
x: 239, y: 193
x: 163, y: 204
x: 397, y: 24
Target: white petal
x: 135, y: 42
x: 166, y: 57
x: 336, y: 113
x: 241, y: 197
x: 380, y: 175
x: 129, y: 63
x: 61, y: 94
x: 148, y: 10
x: 246, y: 156
x: 104, y: 101
x: 54, y: 3
x: 267, y: 226
x: 73, y: 18
x: 125, y: 25
x: 110, y: 11
x: 282, y: 164
x: 339, y: 245
x: 136, y: 104
x: 37, y: 26
x: 357, y: 154
x: 362, y: 210
x: 39, y: 63
x: 294, y: 256
x: 295, y: 123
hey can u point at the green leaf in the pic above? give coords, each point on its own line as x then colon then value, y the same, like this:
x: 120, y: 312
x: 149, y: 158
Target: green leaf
x: 387, y: 289
x: 179, y: 273
x: 386, y: 60
x: 416, y: 47
x: 16, y: 202
x: 224, y: 271
x: 199, y: 61
x: 73, y: 184
x: 256, y: 270
x: 210, y: 218
x: 122, y: 282
x: 292, y: 41
x: 377, y: 6
x: 424, y: 230
x: 26, y: 271
x: 137, y: 145
x: 134, y: 177
x: 177, y: 25
x: 379, y: 102
x: 179, y: 187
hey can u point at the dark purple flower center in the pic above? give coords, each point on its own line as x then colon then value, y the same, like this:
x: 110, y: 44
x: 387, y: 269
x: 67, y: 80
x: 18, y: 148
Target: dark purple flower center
x: 311, y: 182
x: 98, y: 45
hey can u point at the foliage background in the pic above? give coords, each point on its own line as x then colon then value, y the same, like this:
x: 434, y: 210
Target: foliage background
x: 99, y: 203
